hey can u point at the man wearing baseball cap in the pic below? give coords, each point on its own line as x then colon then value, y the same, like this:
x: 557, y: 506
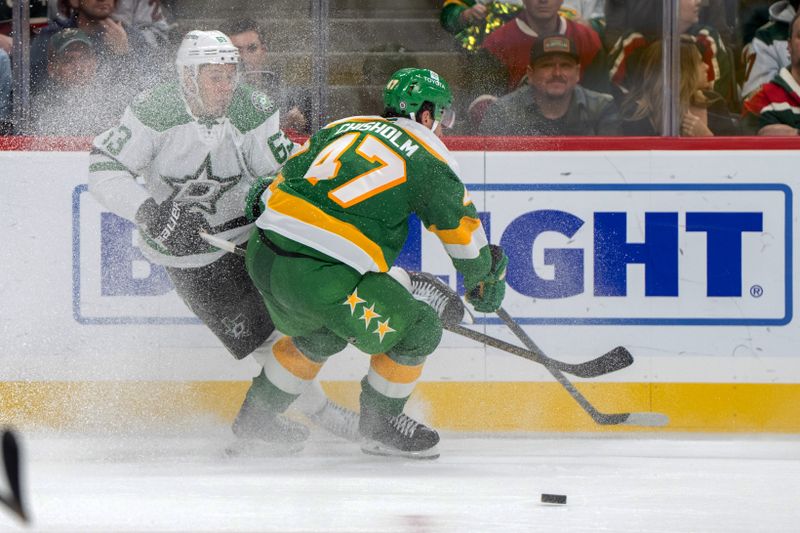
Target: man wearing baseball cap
x: 71, y: 58
x: 552, y: 103
x: 74, y: 100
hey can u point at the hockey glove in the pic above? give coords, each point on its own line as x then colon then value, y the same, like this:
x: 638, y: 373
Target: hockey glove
x: 172, y: 226
x: 487, y: 295
x: 253, y: 204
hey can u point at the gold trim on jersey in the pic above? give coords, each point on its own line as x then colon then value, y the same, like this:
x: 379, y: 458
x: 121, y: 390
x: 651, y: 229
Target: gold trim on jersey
x: 465, y: 241
x: 302, y: 221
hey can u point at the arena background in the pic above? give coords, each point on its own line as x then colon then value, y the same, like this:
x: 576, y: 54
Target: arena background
x: 94, y: 335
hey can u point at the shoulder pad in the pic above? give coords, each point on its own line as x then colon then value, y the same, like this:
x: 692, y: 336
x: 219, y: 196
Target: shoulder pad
x: 250, y: 108
x: 161, y: 107
x: 262, y: 102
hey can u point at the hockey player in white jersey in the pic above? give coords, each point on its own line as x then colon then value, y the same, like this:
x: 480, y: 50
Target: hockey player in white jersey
x: 197, y: 146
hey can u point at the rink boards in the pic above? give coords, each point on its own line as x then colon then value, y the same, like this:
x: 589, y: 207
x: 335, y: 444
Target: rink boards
x: 686, y: 258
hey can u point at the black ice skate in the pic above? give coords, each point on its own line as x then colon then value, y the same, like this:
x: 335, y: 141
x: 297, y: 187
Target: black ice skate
x: 263, y: 431
x: 439, y: 295
x: 396, y: 435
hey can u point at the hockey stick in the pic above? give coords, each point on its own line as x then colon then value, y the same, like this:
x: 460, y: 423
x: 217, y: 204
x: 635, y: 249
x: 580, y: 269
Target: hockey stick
x: 611, y: 361
x: 649, y: 419
x: 222, y: 244
x: 11, y: 463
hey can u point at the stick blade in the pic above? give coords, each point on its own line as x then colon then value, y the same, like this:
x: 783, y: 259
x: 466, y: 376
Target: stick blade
x: 611, y: 361
x: 11, y: 463
x: 652, y: 420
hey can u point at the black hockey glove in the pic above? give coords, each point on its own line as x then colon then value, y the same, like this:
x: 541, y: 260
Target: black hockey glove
x: 172, y: 226
x: 487, y: 295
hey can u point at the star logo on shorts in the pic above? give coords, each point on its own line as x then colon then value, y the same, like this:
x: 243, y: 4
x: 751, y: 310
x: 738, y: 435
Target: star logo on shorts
x: 369, y: 314
x: 353, y: 300
x: 383, y: 329
x: 236, y: 327
x: 202, y: 189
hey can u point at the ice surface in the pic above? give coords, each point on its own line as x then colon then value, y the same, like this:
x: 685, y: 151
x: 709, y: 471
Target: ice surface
x: 614, y: 483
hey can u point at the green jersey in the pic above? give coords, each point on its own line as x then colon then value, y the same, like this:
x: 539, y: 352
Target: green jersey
x: 348, y: 193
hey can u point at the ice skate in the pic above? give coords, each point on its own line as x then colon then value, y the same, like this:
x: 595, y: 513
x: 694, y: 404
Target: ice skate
x: 338, y: 420
x: 326, y: 414
x: 398, y: 435
x: 440, y: 296
x: 263, y: 431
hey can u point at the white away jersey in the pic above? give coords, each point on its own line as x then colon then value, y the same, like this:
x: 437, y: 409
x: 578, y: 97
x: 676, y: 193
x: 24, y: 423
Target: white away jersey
x: 208, y: 163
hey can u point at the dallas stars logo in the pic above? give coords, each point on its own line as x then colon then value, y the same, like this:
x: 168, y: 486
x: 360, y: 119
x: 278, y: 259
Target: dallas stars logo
x: 202, y: 189
x: 236, y: 327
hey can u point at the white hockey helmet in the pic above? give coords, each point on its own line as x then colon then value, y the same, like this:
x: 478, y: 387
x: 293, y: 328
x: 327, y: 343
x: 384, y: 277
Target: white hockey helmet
x: 202, y: 48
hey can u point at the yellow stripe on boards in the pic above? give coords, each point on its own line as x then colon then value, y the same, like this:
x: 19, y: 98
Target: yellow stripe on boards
x: 394, y: 372
x: 299, y: 209
x: 453, y: 406
x: 460, y: 235
x: 293, y: 360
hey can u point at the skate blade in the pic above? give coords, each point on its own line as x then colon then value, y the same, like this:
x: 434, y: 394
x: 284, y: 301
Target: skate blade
x: 262, y: 448
x: 371, y: 447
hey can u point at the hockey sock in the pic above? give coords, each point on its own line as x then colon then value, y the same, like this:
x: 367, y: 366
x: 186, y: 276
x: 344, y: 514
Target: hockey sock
x: 388, y: 384
x: 287, y: 372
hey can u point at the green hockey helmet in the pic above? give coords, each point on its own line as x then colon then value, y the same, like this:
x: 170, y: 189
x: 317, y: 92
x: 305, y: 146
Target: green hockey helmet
x: 409, y: 88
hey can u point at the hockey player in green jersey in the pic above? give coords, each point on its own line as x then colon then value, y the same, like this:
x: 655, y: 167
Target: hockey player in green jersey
x: 332, y: 224
x: 198, y: 145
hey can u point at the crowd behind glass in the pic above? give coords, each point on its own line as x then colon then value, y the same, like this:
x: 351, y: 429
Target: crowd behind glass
x: 520, y: 67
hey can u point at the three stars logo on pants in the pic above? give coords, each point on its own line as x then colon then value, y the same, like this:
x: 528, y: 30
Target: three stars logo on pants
x: 368, y: 314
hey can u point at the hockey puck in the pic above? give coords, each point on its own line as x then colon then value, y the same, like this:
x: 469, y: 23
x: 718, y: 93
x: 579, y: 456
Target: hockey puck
x: 554, y: 498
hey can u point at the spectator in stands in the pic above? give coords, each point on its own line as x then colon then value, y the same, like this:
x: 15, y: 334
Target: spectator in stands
x: 73, y: 100
x: 294, y: 103
x: 148, y: 17
x: 625, y: 56
x: 645, y: 16
x: 472, y: 21
x: 505, y: 54
x: 775, y: 108
x: 702, y: 112
x: 6, y: 107
x: 750, y: 16
x: 585, y: 9
x: 552, y: 102
x: 117, y: 46
x: 768, y: 52
x: 6, y: 102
